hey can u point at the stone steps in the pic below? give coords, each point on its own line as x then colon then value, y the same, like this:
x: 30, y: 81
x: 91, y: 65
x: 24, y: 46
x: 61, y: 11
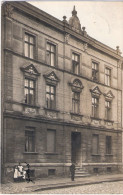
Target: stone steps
x: 80, y: 172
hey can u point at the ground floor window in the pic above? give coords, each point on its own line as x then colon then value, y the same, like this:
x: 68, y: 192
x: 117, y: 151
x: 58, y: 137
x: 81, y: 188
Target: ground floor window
x: 95, y: 144
x: 108, y: 144
x: 51, y: 141
x: 29, y: 141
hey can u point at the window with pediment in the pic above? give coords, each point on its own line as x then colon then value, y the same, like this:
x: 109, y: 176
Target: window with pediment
x: 51, y: 84
x: 95, y: 101
x: 30, y: 79
x: 76, y: 88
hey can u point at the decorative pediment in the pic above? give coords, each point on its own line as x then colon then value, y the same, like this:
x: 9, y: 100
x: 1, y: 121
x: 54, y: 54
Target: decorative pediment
x: 96, y: 91
x: 76, y: 85
x: 51, y: 78
x: 109, y: 96
x: 30, y: 70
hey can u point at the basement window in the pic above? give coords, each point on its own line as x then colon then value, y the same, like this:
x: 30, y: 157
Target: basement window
x: 109, y: 169
x: 95, y: 170
x: 51, y: 172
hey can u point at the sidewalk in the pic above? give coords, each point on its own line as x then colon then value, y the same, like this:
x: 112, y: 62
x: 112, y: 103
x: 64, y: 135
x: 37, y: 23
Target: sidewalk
x: 53, y: 183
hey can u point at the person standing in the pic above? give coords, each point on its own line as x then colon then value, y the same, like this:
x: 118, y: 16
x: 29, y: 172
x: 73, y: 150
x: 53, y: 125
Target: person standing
x: 28, y: 173
x: 72, y: 171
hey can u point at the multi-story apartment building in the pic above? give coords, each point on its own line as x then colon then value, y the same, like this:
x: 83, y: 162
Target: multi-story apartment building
x: 61, y: 95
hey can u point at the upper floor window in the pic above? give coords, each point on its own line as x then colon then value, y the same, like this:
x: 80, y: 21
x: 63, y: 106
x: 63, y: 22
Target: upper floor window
x: 95, y: 106
x: 108, y: 145
x: 95, y: 144
x: 29, y: 90
x: 51, y: 140
x: 50, y: 96
x: 75, y: 102
x: 95, y: 71
x: 29, y: 45
x: 107, y: 110
x: 108, y: 76
x: 51, y: 54
x: 75, y: 63
x: 29, y: 141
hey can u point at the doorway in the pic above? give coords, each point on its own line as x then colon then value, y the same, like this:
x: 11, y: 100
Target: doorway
x: 76, y: 148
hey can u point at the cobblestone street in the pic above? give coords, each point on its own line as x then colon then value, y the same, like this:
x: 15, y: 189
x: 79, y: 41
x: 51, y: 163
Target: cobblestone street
x: 103, y: 188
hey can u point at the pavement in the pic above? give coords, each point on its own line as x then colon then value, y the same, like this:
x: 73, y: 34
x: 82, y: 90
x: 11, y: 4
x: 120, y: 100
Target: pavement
x: 56, y: 183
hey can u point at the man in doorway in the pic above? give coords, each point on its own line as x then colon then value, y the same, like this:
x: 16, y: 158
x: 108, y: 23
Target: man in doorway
x: 72, y: 171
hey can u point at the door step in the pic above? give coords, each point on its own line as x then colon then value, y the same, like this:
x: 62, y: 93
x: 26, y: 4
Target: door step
x: 80, y: 172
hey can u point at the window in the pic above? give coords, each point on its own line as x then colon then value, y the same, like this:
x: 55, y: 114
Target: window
x: 29, y: 45
x: 95, y: 106
x: 29, y: 141
x: 95, y: 73
x: 108, y: 144
x: 51, y: 54
x: 95, y: 144
x: 75, y: 102
x: 75, y: 63
x: 50, y: 96
x: 107, y: 110
x: 51, y: 141
x: 29, y: 91
x: 107, y: 76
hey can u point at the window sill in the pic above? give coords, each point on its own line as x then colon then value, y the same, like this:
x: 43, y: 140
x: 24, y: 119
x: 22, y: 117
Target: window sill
x: 52, y: 110
x: 95, y: 154
x: 51, y: 153
x: 32, y: 106
x: 109, y: 121
x: 30, y: 152
x: 108, y: 154
x: 76, y: 114
x: 94, y: 118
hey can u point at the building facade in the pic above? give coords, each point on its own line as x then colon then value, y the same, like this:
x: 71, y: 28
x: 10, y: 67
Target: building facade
x: 61, y: 97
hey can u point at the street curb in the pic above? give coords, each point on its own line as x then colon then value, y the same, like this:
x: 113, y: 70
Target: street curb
x: 58, y: 186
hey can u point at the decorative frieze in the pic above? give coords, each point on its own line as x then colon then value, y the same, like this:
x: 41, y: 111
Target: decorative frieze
x: 30, y: 110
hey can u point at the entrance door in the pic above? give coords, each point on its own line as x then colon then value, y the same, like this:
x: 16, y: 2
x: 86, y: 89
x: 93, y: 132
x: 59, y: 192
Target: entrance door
x: 76, y: 148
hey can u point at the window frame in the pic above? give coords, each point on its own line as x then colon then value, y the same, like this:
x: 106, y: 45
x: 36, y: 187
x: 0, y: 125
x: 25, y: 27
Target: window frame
x: 97, y: 146
x: 32, y: 141
x: 50, y: 52
x: 108, y: 145
x: 29, y: 44
x: 29, y: 88
x: 108, y: 76
x: 50, y: 94
x: 75, y: 102
x: 95, y: 70
x: 108, y: 110
x: 95, y: 114
x: 77, y: 62
x: 54, y: 151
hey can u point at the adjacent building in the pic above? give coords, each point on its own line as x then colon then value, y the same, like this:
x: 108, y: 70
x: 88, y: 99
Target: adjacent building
x: 61, y: 95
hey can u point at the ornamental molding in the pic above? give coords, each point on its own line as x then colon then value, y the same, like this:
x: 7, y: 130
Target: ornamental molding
x: 76, y: 85
x: 8, y: 10
x: 96, y: 91
x: 51, y: 78
x: 109, y: 96
x: 31, y: 70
